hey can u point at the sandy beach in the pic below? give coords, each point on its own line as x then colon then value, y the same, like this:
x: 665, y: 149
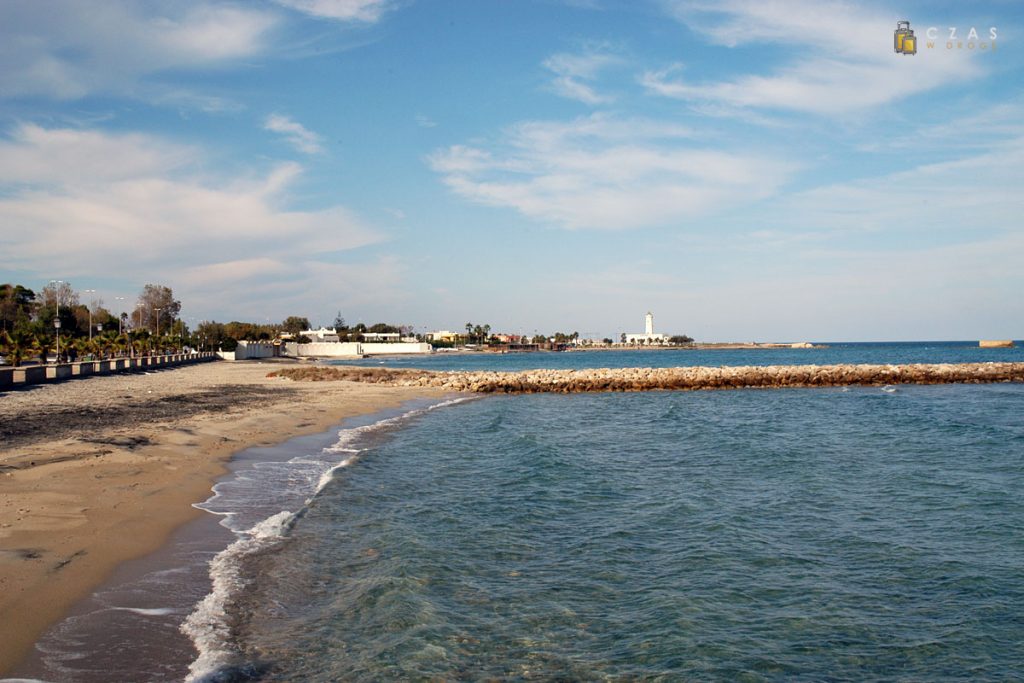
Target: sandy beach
x: 98, y: 471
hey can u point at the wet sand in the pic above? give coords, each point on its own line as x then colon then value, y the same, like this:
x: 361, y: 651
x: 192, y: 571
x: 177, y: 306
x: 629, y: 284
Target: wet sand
x: 97, y: 471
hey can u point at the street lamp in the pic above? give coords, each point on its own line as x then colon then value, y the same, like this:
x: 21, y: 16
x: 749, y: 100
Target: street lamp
x: 56, y: 326
x: 56, y: 294
x: 119, y: 330
x: 158, y: 329
x: 89, y: 291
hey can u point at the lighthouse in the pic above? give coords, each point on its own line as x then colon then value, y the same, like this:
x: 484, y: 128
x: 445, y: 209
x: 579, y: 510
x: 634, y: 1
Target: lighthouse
x: 648, y: 337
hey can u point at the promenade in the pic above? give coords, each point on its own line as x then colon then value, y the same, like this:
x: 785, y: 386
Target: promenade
x: 19, y: 377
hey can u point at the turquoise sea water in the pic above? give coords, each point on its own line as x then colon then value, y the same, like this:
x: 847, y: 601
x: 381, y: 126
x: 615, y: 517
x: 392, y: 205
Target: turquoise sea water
x: 816, y: 534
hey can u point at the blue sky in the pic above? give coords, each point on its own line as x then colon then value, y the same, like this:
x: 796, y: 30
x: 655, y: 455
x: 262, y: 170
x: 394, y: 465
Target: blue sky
x: 746, y: 170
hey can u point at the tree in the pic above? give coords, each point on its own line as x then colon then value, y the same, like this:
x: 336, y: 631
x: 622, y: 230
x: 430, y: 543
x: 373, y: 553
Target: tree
x: 58, y: 294
x: 339, y: 322
x: 56, y: 300
x: 17, y: 344
x: 210, y: 334
x: 17, y: 304
x: 294, y: 324
x: 680, y: 339
x: 158, y: 307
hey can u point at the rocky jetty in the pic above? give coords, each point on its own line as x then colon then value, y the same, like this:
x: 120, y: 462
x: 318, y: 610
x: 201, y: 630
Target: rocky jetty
x: 687, y: 378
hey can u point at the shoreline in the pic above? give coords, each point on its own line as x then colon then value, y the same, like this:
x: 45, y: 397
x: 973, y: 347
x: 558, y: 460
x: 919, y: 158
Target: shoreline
x: 101, y: 471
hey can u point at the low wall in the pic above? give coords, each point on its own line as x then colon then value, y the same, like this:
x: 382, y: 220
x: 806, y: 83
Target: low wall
x: 250, y: 350
x: 58, y: 371
x: 375, y: 349
x: 87, y: 367
x: 325, y: 349
x: 15, y: 378
x: 30, y: 375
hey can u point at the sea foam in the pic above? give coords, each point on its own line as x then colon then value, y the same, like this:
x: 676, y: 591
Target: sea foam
x: 295, y: 483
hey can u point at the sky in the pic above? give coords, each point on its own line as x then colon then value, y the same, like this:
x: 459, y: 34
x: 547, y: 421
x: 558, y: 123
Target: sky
x: 747, y: 170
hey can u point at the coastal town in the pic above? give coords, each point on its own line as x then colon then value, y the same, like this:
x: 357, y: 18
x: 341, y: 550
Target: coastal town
x: 58, y: 323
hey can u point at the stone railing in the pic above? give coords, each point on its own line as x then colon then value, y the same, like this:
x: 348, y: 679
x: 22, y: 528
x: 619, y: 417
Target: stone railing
x: 14, y: 378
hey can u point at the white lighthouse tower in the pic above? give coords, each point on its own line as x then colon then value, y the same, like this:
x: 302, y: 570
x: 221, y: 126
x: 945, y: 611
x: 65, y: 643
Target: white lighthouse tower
x: 648, y: 337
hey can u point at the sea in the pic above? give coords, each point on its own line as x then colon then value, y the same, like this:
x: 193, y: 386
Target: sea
x: 825, y: 534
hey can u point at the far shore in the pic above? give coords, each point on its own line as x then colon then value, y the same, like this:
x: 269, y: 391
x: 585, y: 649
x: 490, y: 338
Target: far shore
x: 98, y: 471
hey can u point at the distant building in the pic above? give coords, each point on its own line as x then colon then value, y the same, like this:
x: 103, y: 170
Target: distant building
x: 381, y: 336
x: 324, y: 334
x: 648, y: 336
x: 442, y: 336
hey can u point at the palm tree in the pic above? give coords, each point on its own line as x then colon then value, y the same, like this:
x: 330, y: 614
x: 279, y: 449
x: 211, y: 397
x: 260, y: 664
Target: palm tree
x: 40, y: 345
x: 469, y: 331
x: 17, y: 345
x: 122, y: 343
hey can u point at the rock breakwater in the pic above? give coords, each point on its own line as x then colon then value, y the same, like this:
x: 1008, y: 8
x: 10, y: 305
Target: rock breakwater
x: 660, y: 379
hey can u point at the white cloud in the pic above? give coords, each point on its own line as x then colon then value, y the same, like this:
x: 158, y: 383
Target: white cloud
x: 297, y: 135
x: 969, y: 196
x: 606, y: 173
x: 66, y: 50
x: 149, y: 211
x: 368, y: 11
x: 274, y: 287
x: 40, y: 156
x: 573, y: 72
x: 843, y: 59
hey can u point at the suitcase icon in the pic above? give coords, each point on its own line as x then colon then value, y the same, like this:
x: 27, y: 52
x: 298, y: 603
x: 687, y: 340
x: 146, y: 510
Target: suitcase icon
x: 904, y: 41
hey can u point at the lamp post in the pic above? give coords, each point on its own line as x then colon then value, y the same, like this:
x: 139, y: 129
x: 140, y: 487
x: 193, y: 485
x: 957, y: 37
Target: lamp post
x: 119, y: 330
x: 56, y: 326
x: 89, y: 291
x: 158, y: 329
x: 56, y: 293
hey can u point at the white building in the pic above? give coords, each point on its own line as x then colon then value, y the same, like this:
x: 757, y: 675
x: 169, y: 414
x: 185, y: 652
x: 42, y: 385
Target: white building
x: 381, y: 336
x: 648, y: 337
x: 324, y: 334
